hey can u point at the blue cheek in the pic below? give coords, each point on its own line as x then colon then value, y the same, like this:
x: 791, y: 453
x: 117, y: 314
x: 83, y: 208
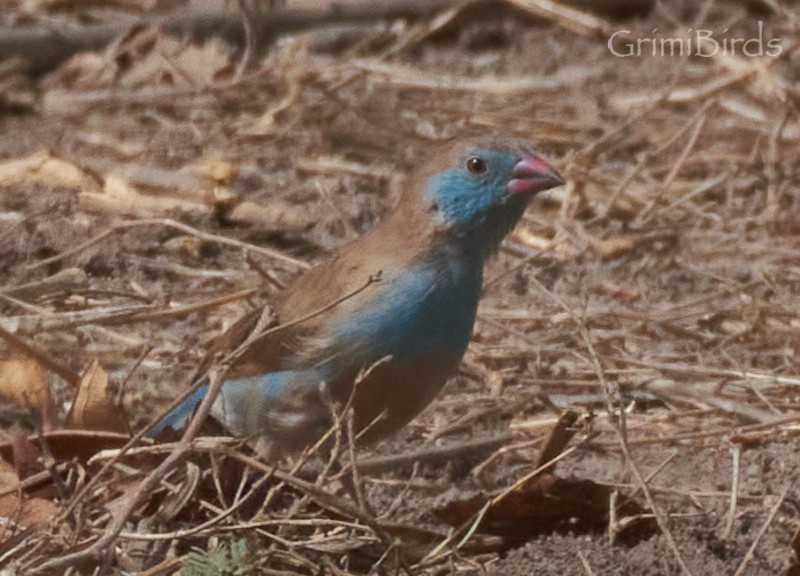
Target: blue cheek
x: 461, y: 199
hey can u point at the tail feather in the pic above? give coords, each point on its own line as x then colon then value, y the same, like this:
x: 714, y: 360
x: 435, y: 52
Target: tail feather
x: 179, y: 417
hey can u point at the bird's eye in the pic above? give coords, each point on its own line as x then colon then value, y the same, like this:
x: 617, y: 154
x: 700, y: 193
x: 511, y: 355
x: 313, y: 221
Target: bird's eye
x: 476, y: 165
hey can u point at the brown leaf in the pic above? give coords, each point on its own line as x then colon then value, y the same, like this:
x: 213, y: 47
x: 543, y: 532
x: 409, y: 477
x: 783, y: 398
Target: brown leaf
x: 94, y: 407
x: 171, y: 62
x: 550, y: 504
x: 44, y: 168
x: 24, y: 382
x: 119, y: 196
x: 26, y: 512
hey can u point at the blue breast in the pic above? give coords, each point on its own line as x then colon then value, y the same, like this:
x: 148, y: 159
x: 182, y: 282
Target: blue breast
x: 425, y: 309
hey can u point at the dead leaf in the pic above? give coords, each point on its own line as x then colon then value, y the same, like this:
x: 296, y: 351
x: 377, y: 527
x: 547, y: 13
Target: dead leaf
x: 548, y: 504
x: 274, y: 215
x: 119, y: 196
x: 44, y: 168
x: 26, y: 512
x: 94, y: 407
x: 24, y: 382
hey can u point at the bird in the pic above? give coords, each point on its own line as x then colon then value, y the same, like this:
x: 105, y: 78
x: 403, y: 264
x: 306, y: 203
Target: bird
x: 381, y: 324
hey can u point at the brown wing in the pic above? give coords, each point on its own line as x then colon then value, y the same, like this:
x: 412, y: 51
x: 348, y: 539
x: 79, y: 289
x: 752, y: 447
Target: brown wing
x: 343, y: 277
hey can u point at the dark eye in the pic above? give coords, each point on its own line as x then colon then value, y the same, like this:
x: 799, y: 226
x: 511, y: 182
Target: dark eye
x: 476, y: 165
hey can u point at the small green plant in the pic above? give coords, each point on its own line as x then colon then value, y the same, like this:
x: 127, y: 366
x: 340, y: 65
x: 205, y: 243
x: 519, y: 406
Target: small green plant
x: 222, y: 559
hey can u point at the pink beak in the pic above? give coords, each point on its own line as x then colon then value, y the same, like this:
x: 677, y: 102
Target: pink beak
x: 532, y: 175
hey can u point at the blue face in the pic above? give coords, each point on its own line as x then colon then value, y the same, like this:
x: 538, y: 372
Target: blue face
x: 473, y: 197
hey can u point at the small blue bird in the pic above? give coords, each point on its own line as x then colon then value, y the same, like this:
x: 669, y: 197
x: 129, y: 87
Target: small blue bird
x: 399, y: 338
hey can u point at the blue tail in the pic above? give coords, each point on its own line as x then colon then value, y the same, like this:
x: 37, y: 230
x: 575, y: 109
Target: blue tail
x: 179, y: 416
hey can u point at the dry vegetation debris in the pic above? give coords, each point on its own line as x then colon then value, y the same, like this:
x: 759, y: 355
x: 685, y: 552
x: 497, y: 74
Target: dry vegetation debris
x: 641, y: 327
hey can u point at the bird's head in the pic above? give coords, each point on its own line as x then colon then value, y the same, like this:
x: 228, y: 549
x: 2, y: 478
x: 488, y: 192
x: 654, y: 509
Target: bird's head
x: 481, y: 191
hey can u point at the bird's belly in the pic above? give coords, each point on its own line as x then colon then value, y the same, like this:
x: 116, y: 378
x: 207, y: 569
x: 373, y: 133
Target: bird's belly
x: 391, y: 395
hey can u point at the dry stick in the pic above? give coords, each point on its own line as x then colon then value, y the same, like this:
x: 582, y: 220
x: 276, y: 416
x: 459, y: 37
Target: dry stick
x: 656, y: 471
x: 21, y: 304
x: 572, y: 19
x: 158, y: 537
x: 692, y: 495
x: 168, y: 566
x: 248, y: 16
x: 612, y: 398
x: 767, y: 522
x: 33, y: 482
x: 772, y: 169
x: 794, y: 419
x: 622, y: 433
x: 35, y: 323
x: 702, y: 188
x: 736, y: 452
x: 30, y: 324
x: 62, y: 281
x: 424, y: 30
x: 716, y: 372
x: 190, y: 308
x: 170, y: 223
x: 647, y: 211
x: 432, y: 455
x: 585, y: 563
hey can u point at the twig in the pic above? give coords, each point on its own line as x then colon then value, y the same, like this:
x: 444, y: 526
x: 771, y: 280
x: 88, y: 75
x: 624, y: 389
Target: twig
x: 34, y: 324
x: 710, y: 371
x: 572, y: 19
x: 585, y: 563
x: 646, y: 212
x: 45, y: 48
x: 410, y: 77
x: 64, y: 280
x: 170, y: 223
x: 431, y: 456
x: 750, y: 551
x: 622, y: 434
x: 735, y: 454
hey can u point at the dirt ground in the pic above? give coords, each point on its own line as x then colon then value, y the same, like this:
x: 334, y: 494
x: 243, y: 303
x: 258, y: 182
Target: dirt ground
x: 664, y: 279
